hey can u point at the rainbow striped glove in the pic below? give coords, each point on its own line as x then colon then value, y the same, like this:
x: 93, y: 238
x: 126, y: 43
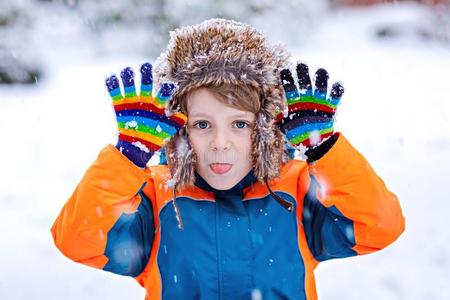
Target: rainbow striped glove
x: 142, y: 122
x: 310, y: 118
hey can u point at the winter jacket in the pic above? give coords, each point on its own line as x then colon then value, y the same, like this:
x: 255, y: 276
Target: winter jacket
x: 235, y: 243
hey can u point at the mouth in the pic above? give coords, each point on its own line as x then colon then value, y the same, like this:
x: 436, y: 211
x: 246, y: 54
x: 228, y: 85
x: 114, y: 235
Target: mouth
x: 220, y: 168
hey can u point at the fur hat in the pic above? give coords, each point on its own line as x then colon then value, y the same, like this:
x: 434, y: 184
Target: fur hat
x: 222, y: 51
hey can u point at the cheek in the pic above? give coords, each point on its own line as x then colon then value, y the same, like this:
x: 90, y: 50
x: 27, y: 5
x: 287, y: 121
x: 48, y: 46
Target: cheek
x: 244, y: 140
x: 198, y: 144
x: 243, y: 145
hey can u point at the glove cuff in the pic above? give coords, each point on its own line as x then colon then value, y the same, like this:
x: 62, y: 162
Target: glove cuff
x: 317, y: 152
x: 138, y: 155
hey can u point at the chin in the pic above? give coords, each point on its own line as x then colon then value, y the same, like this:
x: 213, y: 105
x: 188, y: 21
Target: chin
x: 221, y: 184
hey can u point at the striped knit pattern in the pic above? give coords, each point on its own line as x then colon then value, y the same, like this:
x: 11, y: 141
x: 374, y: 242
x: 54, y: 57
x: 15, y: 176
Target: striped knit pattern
x: 142, y: 123
x: 310, y: 118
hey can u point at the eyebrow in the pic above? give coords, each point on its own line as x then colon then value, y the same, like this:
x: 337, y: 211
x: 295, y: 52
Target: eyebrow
x: 200, y: 114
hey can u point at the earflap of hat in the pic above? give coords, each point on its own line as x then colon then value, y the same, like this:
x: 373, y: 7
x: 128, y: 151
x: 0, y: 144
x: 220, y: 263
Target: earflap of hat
x: 181, y: 159
x: 268, y: 151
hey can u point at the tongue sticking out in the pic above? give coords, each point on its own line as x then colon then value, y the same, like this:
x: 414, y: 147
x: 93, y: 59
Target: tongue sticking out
x: 220, y: 168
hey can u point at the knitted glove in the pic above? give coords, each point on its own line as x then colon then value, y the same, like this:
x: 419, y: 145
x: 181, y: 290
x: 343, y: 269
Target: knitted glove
x: 310, y: 118
x: 142, y: 122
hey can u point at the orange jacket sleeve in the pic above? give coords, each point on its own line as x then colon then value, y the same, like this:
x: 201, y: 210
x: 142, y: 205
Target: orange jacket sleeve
x: 107, y: 223
x: 347, y: 209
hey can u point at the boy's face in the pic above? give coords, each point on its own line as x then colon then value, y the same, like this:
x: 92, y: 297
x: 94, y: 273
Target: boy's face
x: 221, y: 138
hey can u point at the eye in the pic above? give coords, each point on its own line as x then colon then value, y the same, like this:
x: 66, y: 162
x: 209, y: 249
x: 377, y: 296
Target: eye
x: 201, y: 125
x: 241, y: 124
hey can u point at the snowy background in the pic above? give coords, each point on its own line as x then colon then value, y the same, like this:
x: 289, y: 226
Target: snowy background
x: 394, y: 61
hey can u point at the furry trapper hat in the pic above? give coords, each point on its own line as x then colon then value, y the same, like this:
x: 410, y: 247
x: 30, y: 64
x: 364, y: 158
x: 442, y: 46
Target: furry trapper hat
x: 221, y: 51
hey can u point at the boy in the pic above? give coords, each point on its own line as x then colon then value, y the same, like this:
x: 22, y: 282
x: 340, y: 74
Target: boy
x: 205, y: 225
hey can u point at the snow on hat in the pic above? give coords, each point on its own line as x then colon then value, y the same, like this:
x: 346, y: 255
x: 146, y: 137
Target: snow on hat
x: 220, y: 51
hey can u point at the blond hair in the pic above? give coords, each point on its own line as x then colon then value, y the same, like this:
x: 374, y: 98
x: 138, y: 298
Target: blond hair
x: 242, y: 97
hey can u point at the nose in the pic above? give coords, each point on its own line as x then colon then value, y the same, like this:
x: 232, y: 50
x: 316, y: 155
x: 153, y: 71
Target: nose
x: 221, y: 140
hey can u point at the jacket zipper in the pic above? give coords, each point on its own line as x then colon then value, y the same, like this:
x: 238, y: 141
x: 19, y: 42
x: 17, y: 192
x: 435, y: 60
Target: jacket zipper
x: 219, y: 257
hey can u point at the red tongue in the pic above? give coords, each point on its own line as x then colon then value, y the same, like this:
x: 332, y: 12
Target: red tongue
x: 220, y: 168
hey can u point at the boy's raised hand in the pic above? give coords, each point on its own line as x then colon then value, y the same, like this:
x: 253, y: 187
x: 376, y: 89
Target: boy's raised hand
x: 142, y: 122
x: 310, y: 118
